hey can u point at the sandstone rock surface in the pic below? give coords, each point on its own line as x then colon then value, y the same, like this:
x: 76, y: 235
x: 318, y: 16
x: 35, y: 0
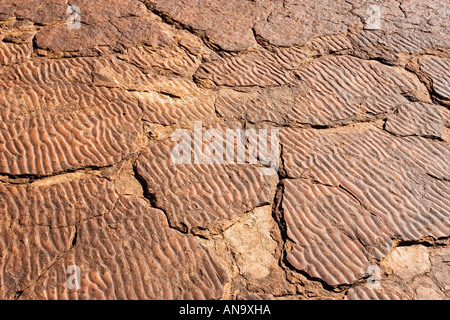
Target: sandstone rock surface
x: 339, y: 109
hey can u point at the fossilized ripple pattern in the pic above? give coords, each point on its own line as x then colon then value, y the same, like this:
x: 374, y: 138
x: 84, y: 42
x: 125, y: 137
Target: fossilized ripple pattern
x: 354, y: 192
x: 90, y: 177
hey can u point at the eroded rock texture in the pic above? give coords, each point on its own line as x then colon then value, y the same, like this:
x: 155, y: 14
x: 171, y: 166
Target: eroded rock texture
x: 108, y: 192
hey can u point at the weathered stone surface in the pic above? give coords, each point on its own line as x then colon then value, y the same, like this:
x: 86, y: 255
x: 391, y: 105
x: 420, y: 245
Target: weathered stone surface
x: 358, y: 91
x: 261, y: 68
x: 12, y: 53
x: 298, y: 21
x: 326, y: 244
x: 121, y: 25
x: 408, y: 262
x: 435, y: 71
x: 81, y: 126
x: 56, y: 205
x: 227, y: 25
x: 26, y: 252
x: 248, y: 247
x: 404, y: 27
x: 197, y: 192
x: 418, y: 119
x: 125, y: 249
x: 87, y: 112
x: 383, y: 31
x: 439, y: 267
x: 326, y: 92
x: 345, y: 205
x: 38, y: 225
x: 131, y: 253
x: 414, y: 272
x: 361, y: 293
